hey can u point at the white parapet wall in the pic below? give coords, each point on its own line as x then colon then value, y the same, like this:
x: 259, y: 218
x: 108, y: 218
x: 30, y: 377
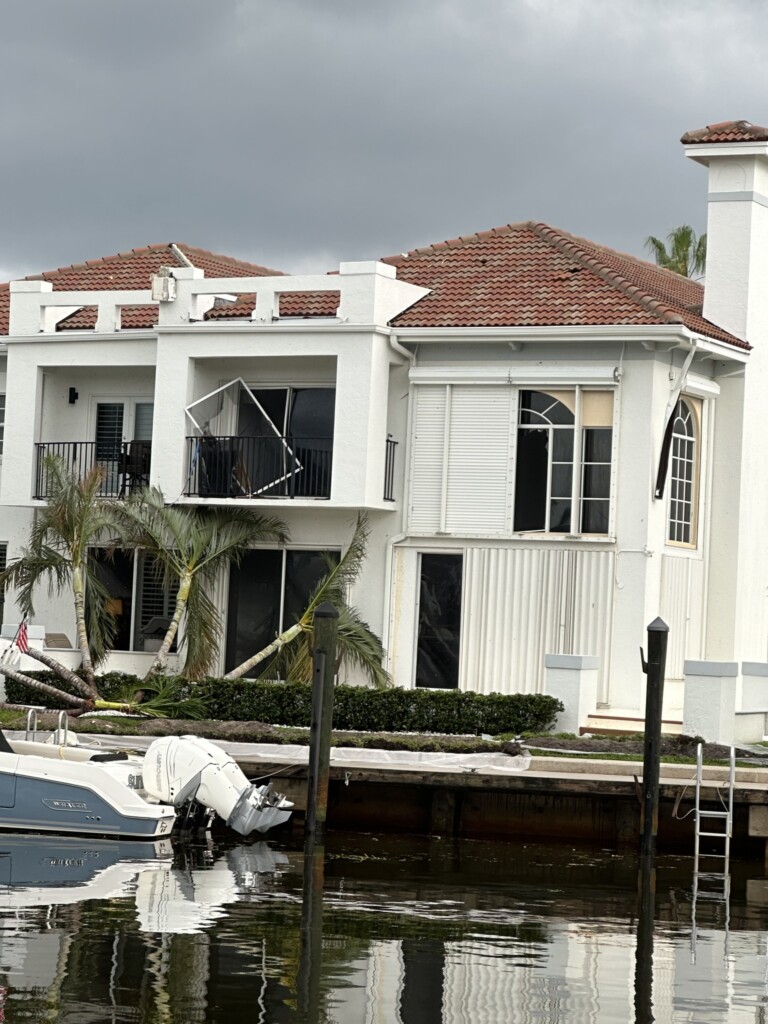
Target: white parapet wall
x: 572, y: 678
x: 709, y: 708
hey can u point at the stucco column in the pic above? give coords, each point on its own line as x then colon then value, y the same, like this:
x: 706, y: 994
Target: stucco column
x: 572, y: 678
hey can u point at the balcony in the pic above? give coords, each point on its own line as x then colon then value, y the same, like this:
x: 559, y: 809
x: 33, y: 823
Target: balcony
x: 125, y: 465
x: 259, y: 467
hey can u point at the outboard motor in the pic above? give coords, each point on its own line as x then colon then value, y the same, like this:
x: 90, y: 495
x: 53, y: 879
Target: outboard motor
x: 182, y: 768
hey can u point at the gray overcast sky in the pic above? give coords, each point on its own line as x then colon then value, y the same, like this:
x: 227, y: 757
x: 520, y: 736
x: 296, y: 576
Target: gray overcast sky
x: 299, y: 132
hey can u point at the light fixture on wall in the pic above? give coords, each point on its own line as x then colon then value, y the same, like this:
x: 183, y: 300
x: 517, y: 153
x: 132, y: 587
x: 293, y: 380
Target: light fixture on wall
x: 73, y: 396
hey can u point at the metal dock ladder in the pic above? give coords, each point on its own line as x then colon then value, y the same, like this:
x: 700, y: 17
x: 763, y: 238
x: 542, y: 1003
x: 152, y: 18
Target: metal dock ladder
x: 716, y: 884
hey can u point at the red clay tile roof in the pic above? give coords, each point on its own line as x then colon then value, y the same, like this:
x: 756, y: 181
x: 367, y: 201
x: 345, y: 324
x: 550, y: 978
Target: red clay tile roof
x: 303, y: 304
x: 519, y: 275
x: 531, y: 275
x: 131, y: 270
x: 726, y: 131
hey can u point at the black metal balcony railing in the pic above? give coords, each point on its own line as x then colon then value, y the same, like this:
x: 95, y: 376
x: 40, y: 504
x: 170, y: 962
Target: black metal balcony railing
x: 389, y: 470
x: 259, y: 467
x: 125, y: 464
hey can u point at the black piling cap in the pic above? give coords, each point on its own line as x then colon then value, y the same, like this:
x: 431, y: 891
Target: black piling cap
x: 327, y: 611
x: 658, y: 626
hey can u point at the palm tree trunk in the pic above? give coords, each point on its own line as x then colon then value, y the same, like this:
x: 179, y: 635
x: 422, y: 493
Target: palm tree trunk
x: 64, y: 673
x: 78, y: 588
x: 273, y: 648
x: 182, y: 596
x: 50, y: 691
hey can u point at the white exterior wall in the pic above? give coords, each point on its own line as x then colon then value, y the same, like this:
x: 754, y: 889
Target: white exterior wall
x: 736, y: 298
x: 528, y: 595
x: 362, y: 360
x: 177, y: 365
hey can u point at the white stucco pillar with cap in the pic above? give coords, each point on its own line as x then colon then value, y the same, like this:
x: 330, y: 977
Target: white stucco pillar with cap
x: 709, y: 709
x: 735, y: 154
x: 572, y: 678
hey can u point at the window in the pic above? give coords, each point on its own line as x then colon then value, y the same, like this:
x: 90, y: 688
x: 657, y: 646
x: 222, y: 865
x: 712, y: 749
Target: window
x: 682, y: 476
x: 437, y: 652
x: 141, y: 605
x: 268, y: 592
x: 2, y: 422
x: 546, y: 469
x: 493, y: 460
x: 287, y: 440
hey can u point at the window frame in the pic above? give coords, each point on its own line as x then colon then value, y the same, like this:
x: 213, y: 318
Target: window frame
x: 675, y: 501
x: 440, y: 553
x: 139, y: 557
x: 578, y: 462
x: 284, y: 552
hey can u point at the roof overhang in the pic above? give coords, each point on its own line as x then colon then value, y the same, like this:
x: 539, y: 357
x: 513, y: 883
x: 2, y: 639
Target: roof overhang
x: 666, y: 335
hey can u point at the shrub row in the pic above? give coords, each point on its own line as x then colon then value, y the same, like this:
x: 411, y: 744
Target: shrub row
x: 393, y: 710
x: 355, y: 707
x: 111, y: 686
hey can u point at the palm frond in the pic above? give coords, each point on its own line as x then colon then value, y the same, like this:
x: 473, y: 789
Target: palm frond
x: 683, y: 252
x: 202, y: 632
x: 164, y: 697
x: 340, y: 577
x: 357, y: 646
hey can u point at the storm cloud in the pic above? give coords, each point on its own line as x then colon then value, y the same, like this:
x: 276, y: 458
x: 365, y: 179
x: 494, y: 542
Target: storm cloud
x: 299, y: 132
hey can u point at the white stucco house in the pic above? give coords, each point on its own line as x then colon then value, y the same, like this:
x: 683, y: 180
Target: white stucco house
x: 555, y: 442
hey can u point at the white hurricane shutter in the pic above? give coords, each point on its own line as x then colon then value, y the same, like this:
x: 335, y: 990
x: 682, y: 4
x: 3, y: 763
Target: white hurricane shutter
x: 427, y: 458
x: 479, y: 459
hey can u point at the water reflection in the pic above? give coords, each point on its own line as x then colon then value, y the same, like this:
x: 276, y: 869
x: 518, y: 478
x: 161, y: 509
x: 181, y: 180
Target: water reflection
x: 413, y: 932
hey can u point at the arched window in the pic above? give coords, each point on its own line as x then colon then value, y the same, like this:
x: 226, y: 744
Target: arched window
x: 544, y: 477
x: 682, y: 477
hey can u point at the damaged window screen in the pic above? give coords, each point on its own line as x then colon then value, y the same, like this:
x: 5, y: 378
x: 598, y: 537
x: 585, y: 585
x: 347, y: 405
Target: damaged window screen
x: 544, y: 470
x: 437, y: 657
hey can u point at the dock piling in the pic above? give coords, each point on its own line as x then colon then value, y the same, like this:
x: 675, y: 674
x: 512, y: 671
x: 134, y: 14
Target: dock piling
x: 323, y: 671
x: 658, y: 633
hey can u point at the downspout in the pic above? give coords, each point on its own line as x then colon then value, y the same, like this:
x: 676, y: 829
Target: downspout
x: 397, y: 538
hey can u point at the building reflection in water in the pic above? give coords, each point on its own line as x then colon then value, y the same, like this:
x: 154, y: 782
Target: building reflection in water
x: 412, y: 933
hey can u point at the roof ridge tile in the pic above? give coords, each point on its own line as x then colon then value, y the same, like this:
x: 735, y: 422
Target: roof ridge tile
x: 563, y: 241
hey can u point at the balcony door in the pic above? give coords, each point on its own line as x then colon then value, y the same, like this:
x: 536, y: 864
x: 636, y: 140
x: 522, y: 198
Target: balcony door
x: 116, y: 424
x: 288, y: 439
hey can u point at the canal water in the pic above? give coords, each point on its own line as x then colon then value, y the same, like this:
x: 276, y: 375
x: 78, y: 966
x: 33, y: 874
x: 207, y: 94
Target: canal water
x: 408, y: 931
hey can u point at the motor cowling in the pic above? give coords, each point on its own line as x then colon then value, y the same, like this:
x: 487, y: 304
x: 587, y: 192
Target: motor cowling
x: 182, y: 768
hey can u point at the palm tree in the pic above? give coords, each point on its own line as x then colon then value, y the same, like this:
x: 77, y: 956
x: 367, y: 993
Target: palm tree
x: 62, y: 553
x: 356, y: 644
x: 189, y: 546
x: 685, y: 253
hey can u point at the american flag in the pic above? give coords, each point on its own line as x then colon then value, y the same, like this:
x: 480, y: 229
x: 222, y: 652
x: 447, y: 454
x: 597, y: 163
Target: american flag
x: 22, y: 637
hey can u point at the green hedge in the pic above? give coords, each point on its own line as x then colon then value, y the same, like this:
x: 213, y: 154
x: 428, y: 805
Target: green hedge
x: 111, y: 686
x: 355, y: 707
x: 393, y: 710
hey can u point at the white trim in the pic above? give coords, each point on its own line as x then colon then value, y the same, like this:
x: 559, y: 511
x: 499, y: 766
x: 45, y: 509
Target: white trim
x: 700, y: 387
x: 554, y: 375
x: 148, y: 333
x: 738, y: 197
x: 676, y: 334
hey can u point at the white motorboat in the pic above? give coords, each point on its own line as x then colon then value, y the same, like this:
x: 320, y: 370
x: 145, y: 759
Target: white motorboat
x: 65, y: 788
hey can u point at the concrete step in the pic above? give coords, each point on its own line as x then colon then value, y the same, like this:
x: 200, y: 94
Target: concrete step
x: 618, y: 723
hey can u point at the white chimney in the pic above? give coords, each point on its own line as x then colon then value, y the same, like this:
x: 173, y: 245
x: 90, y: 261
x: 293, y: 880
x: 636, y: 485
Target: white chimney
x: 736, y: 284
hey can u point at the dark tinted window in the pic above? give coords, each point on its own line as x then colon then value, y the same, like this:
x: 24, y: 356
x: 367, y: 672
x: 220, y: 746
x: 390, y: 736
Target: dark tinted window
x: 437, y: 659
